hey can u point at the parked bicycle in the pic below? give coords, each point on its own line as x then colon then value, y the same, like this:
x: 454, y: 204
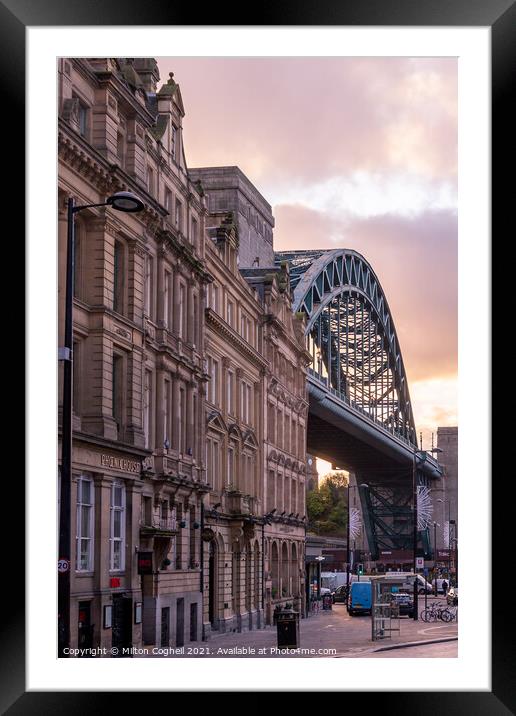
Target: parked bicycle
x: 449, y: 614
x: 433, y: 612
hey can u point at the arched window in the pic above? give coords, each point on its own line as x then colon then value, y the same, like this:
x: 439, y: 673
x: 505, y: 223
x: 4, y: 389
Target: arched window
x: 285, y: 586
x: 275, y: 570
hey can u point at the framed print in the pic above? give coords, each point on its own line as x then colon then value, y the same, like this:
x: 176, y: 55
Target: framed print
x: 221, y: 351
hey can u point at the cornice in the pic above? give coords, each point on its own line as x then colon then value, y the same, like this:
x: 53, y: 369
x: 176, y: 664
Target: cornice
x: 108, y: 178
x: 223, y: 328
x: 183, y: 251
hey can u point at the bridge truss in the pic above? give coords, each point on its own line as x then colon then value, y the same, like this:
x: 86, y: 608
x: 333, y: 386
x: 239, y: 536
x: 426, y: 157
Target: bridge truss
x: 357, y: 357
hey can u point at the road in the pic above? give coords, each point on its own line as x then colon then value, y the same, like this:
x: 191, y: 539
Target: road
x: 328, y: 634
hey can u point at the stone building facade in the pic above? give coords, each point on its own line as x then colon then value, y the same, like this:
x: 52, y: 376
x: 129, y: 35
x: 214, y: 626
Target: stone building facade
x: 228, y: 189
x: 283, y: 406
x: 445, y: 496
x: 234, y: 439
x: 286, y: 416
x: 189, y: 382
x: 138, y: 317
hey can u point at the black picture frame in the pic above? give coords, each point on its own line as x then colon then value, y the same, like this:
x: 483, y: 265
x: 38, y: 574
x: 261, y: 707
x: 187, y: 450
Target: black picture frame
x: 500, y: 16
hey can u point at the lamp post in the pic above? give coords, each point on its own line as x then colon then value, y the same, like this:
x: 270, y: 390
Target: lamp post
x: 444, y: 503
x: 348, y: 535
x: 423, y: 454
x: 436, y: 525
x: 121, y: 201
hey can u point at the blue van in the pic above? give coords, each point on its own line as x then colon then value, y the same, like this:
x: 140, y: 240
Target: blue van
x: 360, y: 598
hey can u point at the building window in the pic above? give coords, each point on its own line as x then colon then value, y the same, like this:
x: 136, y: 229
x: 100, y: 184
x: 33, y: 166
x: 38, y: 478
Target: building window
x: 179, y: 215
x: 182, y: 311
x: 214, y: 397
x: 117, y: 393
x: 120, y: 147
x: 195, y: 232
x: 173, y: 142
x: 84, y: 536
x: 150, y: 180
x: 166, y: 414
x: 231, y: 466
x: 229, y: 313
x: 117, y: 528
x: 83, y: 117
x: 77, y: 261
x: 179, y: 538
x: 230, y: 406
x: 148, y: 286
x: 215, y: 465
x: 147, y: 511
x: 192, y: 538
x: 271, y: 428
x: 147, y: 407
x: 166, y: 297
x: 118, y: 278
x: 182, y: 420
x: 168, y: 200
x: 76, y: 397
x: 245, y: 402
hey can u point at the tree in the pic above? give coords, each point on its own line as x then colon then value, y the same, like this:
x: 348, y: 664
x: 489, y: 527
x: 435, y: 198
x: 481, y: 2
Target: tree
x: 327, y: 505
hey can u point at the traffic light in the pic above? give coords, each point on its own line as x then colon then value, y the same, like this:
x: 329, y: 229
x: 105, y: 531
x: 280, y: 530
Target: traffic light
x: 360, y: 569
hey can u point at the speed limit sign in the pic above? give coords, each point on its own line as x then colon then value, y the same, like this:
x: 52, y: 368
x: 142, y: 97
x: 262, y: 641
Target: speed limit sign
x: 63, y: 565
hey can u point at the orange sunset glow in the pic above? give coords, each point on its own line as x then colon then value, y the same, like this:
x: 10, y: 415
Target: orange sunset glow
x: 350, y: 152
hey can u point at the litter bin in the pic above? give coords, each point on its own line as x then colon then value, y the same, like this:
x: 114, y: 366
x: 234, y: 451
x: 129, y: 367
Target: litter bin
x: 287, y: 625
x: 327, y: 601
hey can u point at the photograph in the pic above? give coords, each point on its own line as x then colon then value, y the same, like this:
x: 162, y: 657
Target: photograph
x: 257, y: 294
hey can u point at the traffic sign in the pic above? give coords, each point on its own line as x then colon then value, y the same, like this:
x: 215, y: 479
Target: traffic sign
x: 420, y: 562
x: 63, y: 565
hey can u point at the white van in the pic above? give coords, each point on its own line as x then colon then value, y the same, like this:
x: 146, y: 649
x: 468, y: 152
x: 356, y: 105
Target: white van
x: 408, y: 584
x: 423, y: 585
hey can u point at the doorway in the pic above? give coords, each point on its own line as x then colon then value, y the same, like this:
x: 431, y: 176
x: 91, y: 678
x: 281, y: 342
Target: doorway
x: 212, y: 582
x: 122, y: 623
x: 85, y: 637
x: 180, y: 622
x: 165, y: 626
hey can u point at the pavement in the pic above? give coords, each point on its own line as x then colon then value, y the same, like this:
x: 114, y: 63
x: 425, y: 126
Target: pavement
x: 328, y: 634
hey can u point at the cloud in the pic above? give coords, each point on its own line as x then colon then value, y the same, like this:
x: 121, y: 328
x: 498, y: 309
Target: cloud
x: 311, y: 118
x: 364, y: 194
x: 351, y: 152
x: 415, y: 259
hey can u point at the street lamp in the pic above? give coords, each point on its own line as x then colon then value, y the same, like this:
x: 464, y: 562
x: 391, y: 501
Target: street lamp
x: 423, y: 454
x: 362, y: 484
x: 444, y: 503
x: 129, y: 203
x: 436, y: 525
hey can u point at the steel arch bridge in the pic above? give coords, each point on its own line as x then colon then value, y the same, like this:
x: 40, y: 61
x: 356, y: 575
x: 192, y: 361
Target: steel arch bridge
x: 360, y: 411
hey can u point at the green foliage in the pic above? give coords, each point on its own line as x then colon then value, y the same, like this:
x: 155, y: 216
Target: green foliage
x: 327, y: 506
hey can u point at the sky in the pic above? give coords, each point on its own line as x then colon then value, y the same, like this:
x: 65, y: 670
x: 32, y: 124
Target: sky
x: 356, y: 153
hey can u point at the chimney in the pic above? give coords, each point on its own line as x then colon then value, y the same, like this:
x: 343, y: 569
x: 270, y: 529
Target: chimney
x: 147, y: 69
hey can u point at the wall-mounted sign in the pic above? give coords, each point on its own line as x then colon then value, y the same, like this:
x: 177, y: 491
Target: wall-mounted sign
x: 108, y: 616
x: 137, y: 612
x: 63, y: 565
x: 120, y: 463
x: 114, y: 582
x: 144, y: 562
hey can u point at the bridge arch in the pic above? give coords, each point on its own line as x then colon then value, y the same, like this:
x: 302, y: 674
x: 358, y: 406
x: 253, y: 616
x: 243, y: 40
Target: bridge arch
x: 351, y: 335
